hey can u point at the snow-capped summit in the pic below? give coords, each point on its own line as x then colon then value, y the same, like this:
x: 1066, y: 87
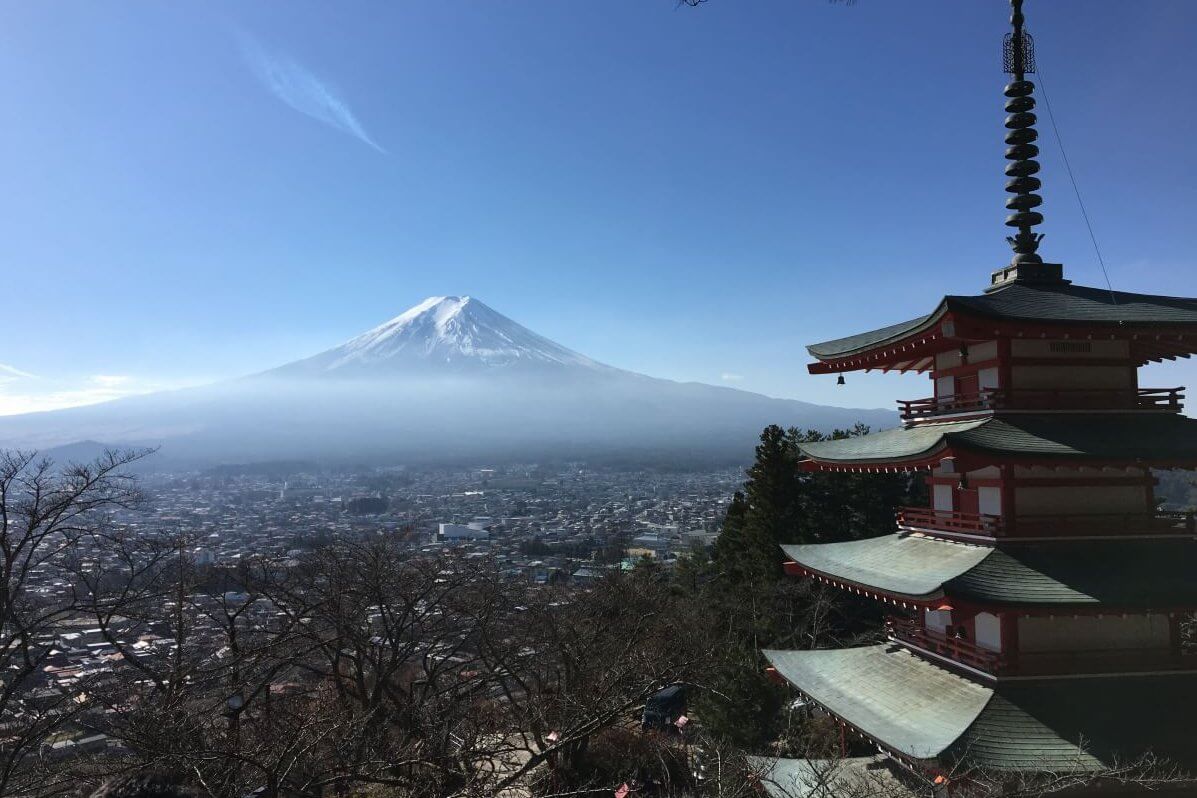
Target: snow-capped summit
x: 446, y: 332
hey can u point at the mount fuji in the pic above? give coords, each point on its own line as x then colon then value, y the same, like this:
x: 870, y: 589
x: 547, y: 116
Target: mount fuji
x: 443, y: 334
x: 449, y: 380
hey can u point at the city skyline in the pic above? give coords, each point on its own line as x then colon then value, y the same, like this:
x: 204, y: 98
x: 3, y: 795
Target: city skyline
x: 689, y: 193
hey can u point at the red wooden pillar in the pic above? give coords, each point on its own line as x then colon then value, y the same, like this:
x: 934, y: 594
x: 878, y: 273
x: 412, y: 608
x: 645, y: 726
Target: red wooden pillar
x: 1010, y: 641
x: 1008, y: 523
x: 1005, y: 373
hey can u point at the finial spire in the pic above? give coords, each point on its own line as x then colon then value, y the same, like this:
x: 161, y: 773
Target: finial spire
x: 1019, y: 59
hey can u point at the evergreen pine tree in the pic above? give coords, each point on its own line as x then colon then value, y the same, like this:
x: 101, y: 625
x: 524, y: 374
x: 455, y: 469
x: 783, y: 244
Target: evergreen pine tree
x: 764, y: 515
x: 729, y: 550
x: 774, y: 503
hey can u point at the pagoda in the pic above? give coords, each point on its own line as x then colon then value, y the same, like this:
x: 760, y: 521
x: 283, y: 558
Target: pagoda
x: 1035, y: 605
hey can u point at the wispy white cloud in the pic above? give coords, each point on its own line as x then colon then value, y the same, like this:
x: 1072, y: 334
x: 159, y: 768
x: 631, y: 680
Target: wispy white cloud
x: 731, y: 377
x: 21, y: 392
x: 8, y: 372
x: 300, y: 89
x: 110, y: 380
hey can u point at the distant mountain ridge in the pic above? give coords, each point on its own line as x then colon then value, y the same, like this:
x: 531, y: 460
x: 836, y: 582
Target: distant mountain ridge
x: 450, y: 379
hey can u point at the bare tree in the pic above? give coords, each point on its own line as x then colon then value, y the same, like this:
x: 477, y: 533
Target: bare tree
x: 47, y: 512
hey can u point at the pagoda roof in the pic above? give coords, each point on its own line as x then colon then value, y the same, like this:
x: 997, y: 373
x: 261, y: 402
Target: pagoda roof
x: 1055, y: 303
x: 911, y: 566
x: 819, y: 778
x: 913, y: 707
x: 1127, y: 574
x: 924, y: 712
x: 1102, y: 437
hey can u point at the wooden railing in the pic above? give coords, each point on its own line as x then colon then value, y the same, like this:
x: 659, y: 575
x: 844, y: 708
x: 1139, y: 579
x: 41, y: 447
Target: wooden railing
x: 966, y: 652
x: 954, y: 648
x: 1162, y: 399
x: 1161, y: 522
x: 950, y: 521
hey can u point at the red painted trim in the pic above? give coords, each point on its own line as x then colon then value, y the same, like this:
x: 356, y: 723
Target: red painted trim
x: 965, y: 368
x: 903, y: 759
x: 967, y: 460
x: 1009, y: 625
x: 975, y: 329
x: 967, y: 609
x: 909, y: 602
x: 1004, y: 378
x: 916, y: 464
x: 1072, y: 361
x: 954, y: 480
x: 1079, y: 482
x: 1008, y: 485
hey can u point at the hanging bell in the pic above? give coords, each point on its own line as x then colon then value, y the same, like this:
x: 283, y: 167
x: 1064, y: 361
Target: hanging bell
x: 839, y: 380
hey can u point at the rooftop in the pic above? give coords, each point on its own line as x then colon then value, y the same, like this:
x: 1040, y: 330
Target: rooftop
x: 1149, y: 574
x: 925, y: 712
x: 1104, y: 437
x: 1056, y: 303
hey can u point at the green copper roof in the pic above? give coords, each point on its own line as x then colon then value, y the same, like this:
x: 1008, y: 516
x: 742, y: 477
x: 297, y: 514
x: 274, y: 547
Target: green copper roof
x: 910, y: 565
x: 1062, y: 304
x: 1040, y: 725
x: 1099, y: 436
x: 866, y: 340
x: 824, y: 778
x: 1135, y: 574
x: 1078, y: 304
x: 891, y: 444
x: 914, y: 707
x: 926, y: 712
x: 1129, y: 574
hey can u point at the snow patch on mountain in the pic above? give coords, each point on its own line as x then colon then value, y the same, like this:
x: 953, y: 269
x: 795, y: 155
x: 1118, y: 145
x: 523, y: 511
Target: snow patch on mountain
x: 452, y: 330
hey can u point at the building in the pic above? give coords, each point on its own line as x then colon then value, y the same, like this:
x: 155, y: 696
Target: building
x: 1036, y: 603
x: 474, y: 531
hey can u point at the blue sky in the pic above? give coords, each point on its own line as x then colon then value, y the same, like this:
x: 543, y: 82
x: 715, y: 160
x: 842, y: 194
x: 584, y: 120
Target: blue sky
x: 194, y: 191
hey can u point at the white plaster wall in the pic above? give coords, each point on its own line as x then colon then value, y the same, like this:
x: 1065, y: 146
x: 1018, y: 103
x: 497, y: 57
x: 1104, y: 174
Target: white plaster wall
x: 988, y: 472
x: 989, y: 500
x: 986, y: 350
x: 987, y: 378
x: 987, y: 629
x: 948, y: 359
x: 941, y: 496
x: 937, y: 620
x: 1090, y: 632
x: 945, y: 387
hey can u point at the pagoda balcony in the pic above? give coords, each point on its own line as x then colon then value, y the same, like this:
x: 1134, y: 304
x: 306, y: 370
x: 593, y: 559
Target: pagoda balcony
x: 957, y: 649
x: 1167, y: 400
x: 951, y: 521
x: 912, y: 632
x: 1073, y: 525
